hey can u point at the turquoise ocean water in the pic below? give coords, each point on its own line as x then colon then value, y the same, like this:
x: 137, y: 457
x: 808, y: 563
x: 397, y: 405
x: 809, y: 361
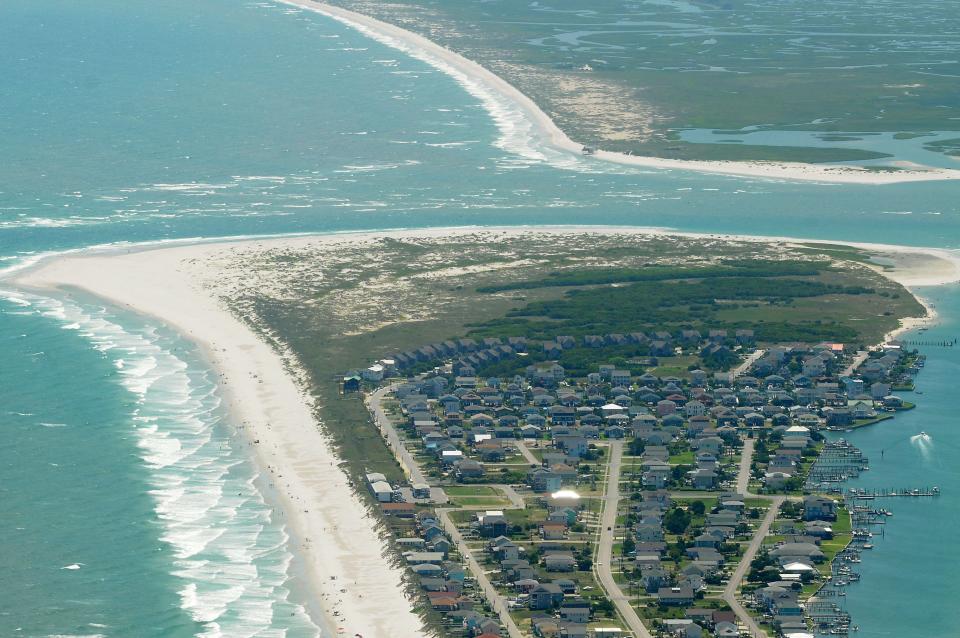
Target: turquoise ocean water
x: 127, y: 505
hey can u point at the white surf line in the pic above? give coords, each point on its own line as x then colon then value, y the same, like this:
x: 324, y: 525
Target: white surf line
x: 337, y: 542
x: 501, y: 100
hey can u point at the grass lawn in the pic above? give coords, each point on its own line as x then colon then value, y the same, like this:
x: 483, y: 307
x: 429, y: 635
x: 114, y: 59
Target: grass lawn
x: 470, y: 490
x: 525, y: 517
x: 675, y: 366
x: 842, y: 533
x: 709, y: 501
x: 843, y: 524
x: 463, y: 517
x: 683, y: 458
x: 861, y: 423
x: 479, y: 501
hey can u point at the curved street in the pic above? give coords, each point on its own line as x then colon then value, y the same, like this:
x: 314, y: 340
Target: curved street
x: 410, y: 467
x: 730, y: 591
x: 604, y: 558
x: 497, y: 603
x: 743, y: 475
x: 603, y: 565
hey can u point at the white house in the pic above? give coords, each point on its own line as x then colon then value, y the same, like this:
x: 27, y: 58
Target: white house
x: 382, y: 490
x: 373, y: 373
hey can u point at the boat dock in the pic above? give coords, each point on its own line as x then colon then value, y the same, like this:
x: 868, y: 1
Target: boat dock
x: 829, y: 618
x: 863, y: 494
x: 947, y: 343
x: 838, y: 461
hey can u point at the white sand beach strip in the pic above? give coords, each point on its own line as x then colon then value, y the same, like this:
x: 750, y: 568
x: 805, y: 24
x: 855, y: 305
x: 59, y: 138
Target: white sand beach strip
x: 337, y: 541
x: 474, y: 76
x: 915, y: 269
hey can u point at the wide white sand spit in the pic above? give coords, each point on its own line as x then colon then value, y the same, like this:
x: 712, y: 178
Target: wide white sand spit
x: 337, y: 542
x: 479, y: 80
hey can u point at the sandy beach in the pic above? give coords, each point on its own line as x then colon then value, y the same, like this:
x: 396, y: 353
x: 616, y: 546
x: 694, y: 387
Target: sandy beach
x: 915, y: 268
x: 477, y: 79
x: 337, y: 542
x: 341, y: 551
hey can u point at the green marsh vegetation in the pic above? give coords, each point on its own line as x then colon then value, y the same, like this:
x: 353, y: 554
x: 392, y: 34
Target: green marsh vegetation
x: 627, y: 76
x: 334, y: 310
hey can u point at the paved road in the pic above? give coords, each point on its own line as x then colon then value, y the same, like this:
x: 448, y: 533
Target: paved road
x: 400, y: 451
x: 409, y: 465
x: 688, y: 494
x: 603, y: 564
x: 527, y: 454
x: 858, y: 359
x: 743, y: 487
x: 497, y: 602
x: 746, y: 458
x: 516, y: 501
x: 743, y: 367
x: 604, y: 559
x: 730, y: 591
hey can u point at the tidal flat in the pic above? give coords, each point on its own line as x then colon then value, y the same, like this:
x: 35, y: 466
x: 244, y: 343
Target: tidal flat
x: 630, y: 77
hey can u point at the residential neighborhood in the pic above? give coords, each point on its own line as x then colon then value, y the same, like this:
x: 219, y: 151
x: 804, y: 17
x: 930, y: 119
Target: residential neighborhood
x: 700, y: 473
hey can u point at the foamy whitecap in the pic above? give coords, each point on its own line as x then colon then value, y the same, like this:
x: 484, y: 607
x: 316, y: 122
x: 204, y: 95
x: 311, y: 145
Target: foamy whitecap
x: 20, y: 301
x: 231, y: 556
x: 48, y: 222
x: 188, y: 187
